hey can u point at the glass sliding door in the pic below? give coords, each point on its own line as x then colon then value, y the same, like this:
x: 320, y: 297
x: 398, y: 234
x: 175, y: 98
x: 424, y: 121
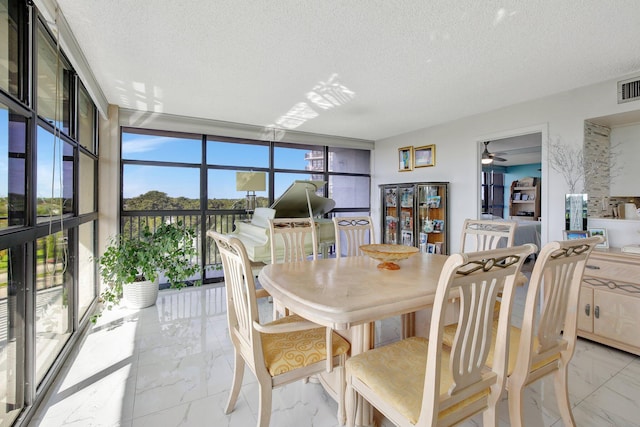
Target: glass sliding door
x: 53, y: 297
x: 12, y: 333
x: 86, y: 267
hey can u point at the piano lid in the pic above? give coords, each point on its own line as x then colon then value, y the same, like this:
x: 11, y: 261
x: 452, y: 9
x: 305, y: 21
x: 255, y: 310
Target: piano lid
x: 293, y: 202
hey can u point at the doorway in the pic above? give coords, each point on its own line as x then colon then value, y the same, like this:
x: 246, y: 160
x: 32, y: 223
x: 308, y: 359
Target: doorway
x: 504, y: 161
x: 521, y: 154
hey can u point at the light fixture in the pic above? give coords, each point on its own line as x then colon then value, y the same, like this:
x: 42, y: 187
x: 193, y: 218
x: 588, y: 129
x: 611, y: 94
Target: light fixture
x: 487, y: 159
x: 251, y: 182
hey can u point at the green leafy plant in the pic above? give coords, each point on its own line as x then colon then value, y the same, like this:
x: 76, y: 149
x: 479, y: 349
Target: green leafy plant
x: 169, y: 249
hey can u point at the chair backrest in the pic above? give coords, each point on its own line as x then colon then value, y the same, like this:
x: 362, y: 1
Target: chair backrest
x: 293, y: 239
x: 483, y: 235
x: 475, y: 278
x: 557, y: 276
x: 242, y: 306
x: 356, y: 231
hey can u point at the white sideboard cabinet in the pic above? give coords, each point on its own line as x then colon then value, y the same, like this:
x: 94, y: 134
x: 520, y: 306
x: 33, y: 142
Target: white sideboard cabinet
x: 609, y: 308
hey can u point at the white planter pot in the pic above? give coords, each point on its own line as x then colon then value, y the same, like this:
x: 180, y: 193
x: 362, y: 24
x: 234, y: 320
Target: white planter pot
x: 140, y: 294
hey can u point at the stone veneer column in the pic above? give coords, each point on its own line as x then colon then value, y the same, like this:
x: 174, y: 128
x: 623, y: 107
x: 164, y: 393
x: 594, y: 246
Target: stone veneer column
x: 597, y: 149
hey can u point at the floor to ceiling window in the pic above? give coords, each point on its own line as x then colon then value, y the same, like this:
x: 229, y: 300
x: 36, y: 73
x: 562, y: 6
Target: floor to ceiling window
x: 48, y: 208
x: 170, y: 176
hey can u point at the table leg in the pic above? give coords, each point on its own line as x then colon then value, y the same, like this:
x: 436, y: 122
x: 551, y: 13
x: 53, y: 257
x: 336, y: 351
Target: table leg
x: 361, y: 340
x: 408, y: 325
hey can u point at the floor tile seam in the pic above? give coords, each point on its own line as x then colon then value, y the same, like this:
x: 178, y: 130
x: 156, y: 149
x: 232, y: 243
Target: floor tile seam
x: 605, y: 382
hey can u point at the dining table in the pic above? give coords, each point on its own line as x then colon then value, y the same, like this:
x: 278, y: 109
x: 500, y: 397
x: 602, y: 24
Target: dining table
x: 347, y: 294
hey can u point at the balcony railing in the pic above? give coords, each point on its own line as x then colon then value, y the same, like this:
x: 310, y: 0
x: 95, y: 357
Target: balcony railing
x: 208, y: 256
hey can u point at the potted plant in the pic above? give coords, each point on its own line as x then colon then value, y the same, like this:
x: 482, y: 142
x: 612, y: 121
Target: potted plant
x: 131, y: 266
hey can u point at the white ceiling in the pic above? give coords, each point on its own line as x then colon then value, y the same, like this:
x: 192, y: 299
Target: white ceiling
x: 360, y: 69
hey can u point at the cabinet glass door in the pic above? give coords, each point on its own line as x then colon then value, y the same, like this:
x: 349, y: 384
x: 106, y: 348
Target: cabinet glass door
x: 432, y: 226
x: 407, y: 216
x: 390, y: 214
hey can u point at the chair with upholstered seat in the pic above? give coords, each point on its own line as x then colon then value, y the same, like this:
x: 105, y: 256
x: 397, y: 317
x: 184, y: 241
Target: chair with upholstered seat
x: 279, y: 352
x: 482, y: 235
x: 292, y: 240
x: 546, y: 342
x: 548, y: 335
x: 420, y: 382
x: 351, y: 233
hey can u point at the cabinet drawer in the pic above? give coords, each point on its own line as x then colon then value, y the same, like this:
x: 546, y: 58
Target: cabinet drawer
x: 613, y: 270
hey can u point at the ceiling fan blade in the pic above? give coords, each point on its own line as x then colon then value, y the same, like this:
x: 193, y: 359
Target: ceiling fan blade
x: 486, y: 155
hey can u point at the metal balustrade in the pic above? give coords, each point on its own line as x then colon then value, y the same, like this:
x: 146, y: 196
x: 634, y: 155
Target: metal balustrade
x: 132, y: 224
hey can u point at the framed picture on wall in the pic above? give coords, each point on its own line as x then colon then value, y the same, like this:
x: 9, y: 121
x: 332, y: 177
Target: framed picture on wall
x: 405, y: 159
x: 424, y: 156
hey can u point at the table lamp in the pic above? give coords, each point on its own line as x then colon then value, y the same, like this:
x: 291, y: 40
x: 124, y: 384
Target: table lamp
x: 251, y: 182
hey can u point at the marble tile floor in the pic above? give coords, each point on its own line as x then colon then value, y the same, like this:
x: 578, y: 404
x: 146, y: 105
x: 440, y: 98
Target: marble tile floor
x: 171, y: 365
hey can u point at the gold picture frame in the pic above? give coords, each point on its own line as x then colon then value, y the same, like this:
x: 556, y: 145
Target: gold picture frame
x: 405, y: 159
x: 424, y: 156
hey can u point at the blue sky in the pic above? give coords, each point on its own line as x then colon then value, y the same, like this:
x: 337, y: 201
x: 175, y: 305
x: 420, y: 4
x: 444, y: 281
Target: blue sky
x: 184, y: 181
x: 173, y: 181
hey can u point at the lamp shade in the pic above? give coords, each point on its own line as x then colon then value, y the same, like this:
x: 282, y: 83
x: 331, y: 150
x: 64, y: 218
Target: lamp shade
x: 251, y: 181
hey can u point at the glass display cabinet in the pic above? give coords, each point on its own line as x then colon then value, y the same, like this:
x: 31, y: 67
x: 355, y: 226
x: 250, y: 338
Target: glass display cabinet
x: 416, y: 214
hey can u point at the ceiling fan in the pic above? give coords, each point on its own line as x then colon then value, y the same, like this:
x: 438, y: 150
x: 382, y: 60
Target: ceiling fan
x: 488, y: 157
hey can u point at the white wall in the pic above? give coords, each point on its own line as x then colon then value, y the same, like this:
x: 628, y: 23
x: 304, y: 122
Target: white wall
x: 560, y: 118
x: 626, y: 181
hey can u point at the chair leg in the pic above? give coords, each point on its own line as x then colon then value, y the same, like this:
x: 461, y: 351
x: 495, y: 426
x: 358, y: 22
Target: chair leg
x: 264, y: 408
x: 350, y: 404
x: 560, y: 382
x: 515, y: 405
x: 341, y: 392
x: 238, y: 373
x: 489, y: 417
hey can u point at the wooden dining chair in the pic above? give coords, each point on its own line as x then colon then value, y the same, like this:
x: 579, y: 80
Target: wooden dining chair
x: 482, y: 235
x: 546, y: 342
x: 292, y: 240
x: 420, y: 382
x: 354, y: 231
x: 351, y: 233
x: 279, y: 352
x: 548, y: 336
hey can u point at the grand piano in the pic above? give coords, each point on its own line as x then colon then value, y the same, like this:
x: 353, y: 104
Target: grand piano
x: 298, y: 201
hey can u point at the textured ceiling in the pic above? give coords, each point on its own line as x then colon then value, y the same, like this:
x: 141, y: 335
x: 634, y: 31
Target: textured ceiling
x: 362, y: 69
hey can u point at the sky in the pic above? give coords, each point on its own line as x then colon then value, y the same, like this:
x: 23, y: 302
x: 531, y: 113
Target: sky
x: 184, y: 181
x: 175, y: 181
